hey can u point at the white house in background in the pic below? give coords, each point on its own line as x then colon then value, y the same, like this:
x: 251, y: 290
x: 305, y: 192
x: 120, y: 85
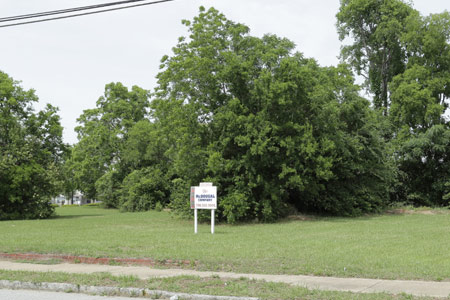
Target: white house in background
x: 77, y: 199
x: 59, y: 200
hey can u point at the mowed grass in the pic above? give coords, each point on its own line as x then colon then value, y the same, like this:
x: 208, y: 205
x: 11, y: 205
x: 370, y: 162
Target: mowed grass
x: 196, y: 285
x: 407, y: 246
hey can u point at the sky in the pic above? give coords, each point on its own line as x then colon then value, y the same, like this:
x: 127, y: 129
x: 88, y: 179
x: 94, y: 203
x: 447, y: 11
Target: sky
x: 69, y: 62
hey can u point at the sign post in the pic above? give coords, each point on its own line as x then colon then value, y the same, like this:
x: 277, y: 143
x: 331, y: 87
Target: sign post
x: 204, y: 197
x: 192, y: 200
x: 212, y: 221
x: 195, y: 222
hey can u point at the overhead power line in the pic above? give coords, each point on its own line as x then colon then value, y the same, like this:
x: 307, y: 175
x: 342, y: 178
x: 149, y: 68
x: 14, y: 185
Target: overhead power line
x: 61, y: 11
x: 76, y: 9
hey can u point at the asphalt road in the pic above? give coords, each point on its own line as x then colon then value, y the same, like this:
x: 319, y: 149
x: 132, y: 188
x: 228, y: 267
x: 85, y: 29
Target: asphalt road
x: 42, y: 295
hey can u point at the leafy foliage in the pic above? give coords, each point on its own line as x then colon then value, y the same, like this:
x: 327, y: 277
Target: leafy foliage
x: 143, y: 190
x: 377, y: 53
x: 102, y: 134
x: 427, y: 154
x: 31, y: 152
x: 267, y: 125
x: 274, y: 130
x: 405, y: 59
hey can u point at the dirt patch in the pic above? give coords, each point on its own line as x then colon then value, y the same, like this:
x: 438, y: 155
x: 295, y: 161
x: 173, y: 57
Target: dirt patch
x: 403, y: 211
x: 427, y: 212
x: 96, y: 260
x: 397, y: 211
x: 300, y: 218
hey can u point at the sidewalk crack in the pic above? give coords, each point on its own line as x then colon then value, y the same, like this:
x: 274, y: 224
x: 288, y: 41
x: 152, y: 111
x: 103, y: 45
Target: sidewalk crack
x: 373, y: 285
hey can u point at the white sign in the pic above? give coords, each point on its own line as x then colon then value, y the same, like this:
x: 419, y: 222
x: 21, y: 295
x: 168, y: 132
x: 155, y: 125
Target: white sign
x: 205, y: 197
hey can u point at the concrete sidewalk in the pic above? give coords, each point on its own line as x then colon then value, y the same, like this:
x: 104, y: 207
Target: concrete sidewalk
x: 357, y: 285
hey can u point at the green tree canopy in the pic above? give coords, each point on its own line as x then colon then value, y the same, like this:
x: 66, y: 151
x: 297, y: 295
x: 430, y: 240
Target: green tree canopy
x: 267, y: 125
x: 102, y: 133
x: 31, y: 150
x: 405, y: 58
x: 425, y: 162
x: 376, y: 53
x: 275, y: 131
x: 420, y: 94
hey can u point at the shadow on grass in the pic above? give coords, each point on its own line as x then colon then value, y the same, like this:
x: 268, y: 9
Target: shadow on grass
x: 335, y: 219
x: 72, y: 217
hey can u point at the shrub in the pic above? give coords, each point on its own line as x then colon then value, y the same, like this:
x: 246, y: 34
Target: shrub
x: 179, y: 198
x: 108, y: 189
x: 143, y: 189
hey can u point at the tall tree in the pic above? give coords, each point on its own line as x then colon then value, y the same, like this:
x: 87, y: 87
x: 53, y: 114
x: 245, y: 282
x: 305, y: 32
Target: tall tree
x: 144, y: 155
x: 67, y: 183
x: 31, y: 150
x: 102, y: 132
x: 405, y: 59
x: 267, y: 125
x: 420, y: 94
x: 419, y: 102
x: 376, y: 53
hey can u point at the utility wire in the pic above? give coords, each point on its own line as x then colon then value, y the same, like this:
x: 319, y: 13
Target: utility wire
x: 67, y: 10
x: 82, y: 14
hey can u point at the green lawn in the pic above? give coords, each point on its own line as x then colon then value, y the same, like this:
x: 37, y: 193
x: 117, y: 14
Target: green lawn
x: 195, y: 285
x: 409, y: 246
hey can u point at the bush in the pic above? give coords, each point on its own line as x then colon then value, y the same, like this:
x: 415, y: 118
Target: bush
x: 179, y: 198
x: 108, y: 189
x: 159, y: 206
x: 97, y: 204
x: 235, y: 206
x: 425, y: 161
x: 143, y: 189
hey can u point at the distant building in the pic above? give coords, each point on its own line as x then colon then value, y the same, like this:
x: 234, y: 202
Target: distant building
x: 77, y: 199
x: 59, y: 200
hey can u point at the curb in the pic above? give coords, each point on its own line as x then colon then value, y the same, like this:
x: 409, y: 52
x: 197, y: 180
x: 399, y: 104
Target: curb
x: 111, y: 291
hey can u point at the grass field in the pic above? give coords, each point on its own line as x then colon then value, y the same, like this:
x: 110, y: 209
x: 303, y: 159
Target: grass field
x: 405, y: 246
x: 196, y: 285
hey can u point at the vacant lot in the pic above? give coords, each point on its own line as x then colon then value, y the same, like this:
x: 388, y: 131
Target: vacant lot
x: 407, y: 246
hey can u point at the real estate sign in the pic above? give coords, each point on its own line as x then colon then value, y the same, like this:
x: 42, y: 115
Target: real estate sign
x: 204, y: 197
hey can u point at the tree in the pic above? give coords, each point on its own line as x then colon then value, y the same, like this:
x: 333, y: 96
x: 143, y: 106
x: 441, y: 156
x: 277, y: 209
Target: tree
x: 419, y: 101
x: 416, y: 103
x: 377, y: 52
x: 102, y: 133
x: 269, y: 127
x: 31, y: 152
x: 425, y: 161
x: 420, y: 94
x: 144, y: 189
x: 393, y: 46
x: 405, y: 59
x: 67, y: 184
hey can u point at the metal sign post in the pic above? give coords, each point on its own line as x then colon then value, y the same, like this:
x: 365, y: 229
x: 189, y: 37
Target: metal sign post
x: 192, y: 200
x: 212, y: 221
x: 195, y: 222
x: 204, y: 197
